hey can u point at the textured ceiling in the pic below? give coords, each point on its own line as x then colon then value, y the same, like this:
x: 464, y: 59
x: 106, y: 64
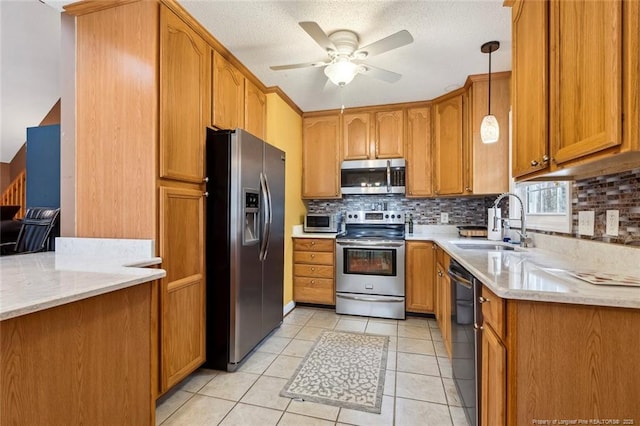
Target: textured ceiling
x: 446, y: 49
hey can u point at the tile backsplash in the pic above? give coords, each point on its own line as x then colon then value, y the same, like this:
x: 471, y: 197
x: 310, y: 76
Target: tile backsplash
x: 425, y: 211
x: 620, y: 191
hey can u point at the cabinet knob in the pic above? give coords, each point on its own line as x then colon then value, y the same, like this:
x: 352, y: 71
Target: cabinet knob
x: 313, y: 243
x: 545, y: 158
x: 468, y: 189
x: 313, y: 269
x: 477, y: 327
x: 206, y: 179
x: 483, y: 299
x: 534, y: 163
x: 206, y: 194
x: 440, y: 274
x: 313, y: 281
x: 313, y: 255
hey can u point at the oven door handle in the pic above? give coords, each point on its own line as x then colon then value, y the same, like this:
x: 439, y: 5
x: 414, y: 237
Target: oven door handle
x: 460, y: 279
x: 371, y: 299
x: 370, y: 244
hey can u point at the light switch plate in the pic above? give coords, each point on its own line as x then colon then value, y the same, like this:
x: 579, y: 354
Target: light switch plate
x: 586, y: 221
x: 444, y: 217
x: 613, y: 218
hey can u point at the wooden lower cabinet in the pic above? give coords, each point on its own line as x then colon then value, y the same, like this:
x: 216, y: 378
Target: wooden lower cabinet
x: 314, y: 270
x: 558, y: 361
x: 182, y: 291
x: 420, y: 275
x: 443, y: 297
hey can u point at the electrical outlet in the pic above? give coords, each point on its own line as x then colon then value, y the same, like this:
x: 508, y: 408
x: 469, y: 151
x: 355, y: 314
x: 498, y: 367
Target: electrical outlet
x: 613, y: 217
x: 586, y: 221
x: 444, y: 217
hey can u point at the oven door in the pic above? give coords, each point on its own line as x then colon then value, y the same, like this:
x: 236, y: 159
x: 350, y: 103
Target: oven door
x: 370, y: 267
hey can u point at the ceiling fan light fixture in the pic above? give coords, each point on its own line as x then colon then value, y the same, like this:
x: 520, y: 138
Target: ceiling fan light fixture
x: 341, y: 72
x: 489, y: 128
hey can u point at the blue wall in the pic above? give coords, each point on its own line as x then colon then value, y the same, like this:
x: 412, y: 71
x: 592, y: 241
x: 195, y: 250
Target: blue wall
x: 43, y: 166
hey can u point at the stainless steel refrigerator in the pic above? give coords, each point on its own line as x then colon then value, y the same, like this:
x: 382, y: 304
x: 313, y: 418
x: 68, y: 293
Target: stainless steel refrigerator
x: 244, y: 244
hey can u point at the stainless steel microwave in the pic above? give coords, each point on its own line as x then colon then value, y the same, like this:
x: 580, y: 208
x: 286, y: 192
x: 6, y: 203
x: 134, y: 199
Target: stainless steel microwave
x: 322, y: 222
x: 373, y: 176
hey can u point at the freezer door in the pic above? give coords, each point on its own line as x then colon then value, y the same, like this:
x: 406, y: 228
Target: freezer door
x: 246, y: 268
x: 273, y: 264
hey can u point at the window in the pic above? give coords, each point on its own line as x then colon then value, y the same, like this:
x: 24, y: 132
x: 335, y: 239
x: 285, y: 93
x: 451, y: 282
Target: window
x: 547, y: 205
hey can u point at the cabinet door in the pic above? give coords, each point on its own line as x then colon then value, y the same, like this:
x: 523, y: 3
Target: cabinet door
x: 448, y: 146
x: 228, y: 94
x: 420, y: 273
x: 389, y: 141
x: 493, y: 379
x: 184, y: 99
x: 530, y: 94
x: 321, y: 157
x: 182, y: 295
x: 356, y: 131
x: 489, y: 166
x: 586, y: 78
x: 419, y: 168
x: 255, y: 110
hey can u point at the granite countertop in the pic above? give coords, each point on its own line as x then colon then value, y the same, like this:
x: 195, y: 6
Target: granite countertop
x: 78, y: 269
x: 546, y: 271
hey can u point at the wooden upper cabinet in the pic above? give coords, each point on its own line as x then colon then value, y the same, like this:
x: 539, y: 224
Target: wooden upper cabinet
x: 389, y: 134
x: 228, y: 94
x: 418, y: 156
x: 255, y: 110
x: 529, y: 97
x: 356, y: 131
x: 448, y: 137
x: 321, y: 157
x: 586, y: 78
x: 489, y: 163
x: 184, y: 99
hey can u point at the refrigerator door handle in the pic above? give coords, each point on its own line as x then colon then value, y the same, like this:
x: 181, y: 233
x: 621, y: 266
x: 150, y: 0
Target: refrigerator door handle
x: 266, y: 214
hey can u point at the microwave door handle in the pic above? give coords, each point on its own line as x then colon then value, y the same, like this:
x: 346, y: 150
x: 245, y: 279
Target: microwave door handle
x: 388, y: 175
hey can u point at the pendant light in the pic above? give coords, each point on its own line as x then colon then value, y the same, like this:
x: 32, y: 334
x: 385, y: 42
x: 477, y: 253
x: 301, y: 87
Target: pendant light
x: 489, y: 129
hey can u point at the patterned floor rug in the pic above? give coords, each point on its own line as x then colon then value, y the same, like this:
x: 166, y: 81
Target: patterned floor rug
x: 344, y: 370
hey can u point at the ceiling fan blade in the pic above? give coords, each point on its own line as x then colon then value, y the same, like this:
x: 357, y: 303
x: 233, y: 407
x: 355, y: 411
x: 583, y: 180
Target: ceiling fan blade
x: 294, y: 66
x: 316, y: 33
x: 381, y: 74
x: 399, y: 39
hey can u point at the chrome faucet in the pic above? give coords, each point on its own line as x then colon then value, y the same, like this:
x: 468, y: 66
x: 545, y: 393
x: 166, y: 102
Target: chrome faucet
x: 525, y: 241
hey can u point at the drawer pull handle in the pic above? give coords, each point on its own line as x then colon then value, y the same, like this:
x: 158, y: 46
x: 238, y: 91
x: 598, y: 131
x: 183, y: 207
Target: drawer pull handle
x: 483, y: 299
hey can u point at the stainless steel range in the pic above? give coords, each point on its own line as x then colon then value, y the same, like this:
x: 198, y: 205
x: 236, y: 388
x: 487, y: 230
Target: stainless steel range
x: 370, y: 265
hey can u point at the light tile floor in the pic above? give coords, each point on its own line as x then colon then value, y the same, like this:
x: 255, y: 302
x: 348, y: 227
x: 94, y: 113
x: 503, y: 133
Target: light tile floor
x: 418, y: 388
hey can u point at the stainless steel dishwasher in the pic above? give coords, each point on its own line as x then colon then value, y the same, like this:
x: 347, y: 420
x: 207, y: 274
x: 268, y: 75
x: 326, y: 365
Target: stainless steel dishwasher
x: 466, y: 318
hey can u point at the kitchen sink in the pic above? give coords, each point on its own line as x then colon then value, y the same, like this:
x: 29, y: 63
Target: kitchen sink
x: 480, y: 246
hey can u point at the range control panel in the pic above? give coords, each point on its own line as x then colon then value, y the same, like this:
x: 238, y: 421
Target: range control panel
x: 374, y: 217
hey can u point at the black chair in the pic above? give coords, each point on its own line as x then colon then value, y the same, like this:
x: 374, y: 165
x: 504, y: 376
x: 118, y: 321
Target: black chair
x: 35, y: 231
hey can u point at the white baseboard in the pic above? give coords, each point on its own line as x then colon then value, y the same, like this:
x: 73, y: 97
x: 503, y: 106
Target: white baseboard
x: 288, y: 307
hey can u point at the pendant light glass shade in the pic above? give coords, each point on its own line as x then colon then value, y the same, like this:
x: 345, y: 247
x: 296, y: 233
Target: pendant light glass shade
x: 489, y: 129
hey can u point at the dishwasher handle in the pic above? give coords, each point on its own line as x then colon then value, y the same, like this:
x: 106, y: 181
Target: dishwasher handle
x: 460, y: 279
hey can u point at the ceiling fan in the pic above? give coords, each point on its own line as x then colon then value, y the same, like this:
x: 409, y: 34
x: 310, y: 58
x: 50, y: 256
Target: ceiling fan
x: 346, y: 58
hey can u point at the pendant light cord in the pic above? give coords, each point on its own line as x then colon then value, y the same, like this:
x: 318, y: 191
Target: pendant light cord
x: 489, y: 83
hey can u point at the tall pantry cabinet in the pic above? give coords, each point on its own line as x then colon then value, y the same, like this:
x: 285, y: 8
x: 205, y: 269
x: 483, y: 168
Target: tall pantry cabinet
x: 143, y: 101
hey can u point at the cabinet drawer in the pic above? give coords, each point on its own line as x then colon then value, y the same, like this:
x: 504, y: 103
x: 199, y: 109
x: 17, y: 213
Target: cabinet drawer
x: 314, y: 290
x: 311, y: 244
x: 493, y: 308
x: 317, y: 258
x: 321, y: 271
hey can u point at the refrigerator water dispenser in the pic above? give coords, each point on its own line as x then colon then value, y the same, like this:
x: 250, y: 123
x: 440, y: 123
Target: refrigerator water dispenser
x: 250, y: 211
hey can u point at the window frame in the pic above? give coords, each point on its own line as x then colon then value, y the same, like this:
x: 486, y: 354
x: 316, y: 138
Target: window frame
x: 562, y: 223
